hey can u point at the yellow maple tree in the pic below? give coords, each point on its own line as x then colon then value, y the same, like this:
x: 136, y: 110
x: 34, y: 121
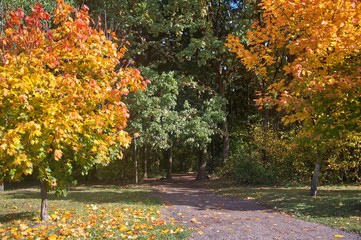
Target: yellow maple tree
x: 61, y: 88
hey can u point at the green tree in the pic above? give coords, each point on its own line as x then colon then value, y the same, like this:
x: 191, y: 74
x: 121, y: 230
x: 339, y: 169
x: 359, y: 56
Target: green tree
x: 26, y: 5
x: 154, y: 114
x: 187, y: 38
x: 163, y: 120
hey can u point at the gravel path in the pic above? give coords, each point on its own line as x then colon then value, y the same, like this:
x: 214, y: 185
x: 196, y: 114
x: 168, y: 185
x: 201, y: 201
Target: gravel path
x: 216, y: 217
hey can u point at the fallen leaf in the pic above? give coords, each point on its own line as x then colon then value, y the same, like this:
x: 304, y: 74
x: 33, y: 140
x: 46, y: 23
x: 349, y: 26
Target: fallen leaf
x: 52, y: 237
x: 338, y: 236
x: 193, y: 220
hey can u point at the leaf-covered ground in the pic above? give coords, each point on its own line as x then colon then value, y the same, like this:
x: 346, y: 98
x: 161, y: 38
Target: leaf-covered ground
x: 98, y: 212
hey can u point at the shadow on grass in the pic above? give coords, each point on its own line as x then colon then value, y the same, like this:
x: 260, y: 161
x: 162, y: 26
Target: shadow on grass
x: 95, y: 197
x: 8, y: 217
x: 329, y: 203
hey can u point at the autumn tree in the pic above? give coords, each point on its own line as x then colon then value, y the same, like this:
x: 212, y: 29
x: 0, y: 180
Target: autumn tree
x: 309, y: 54
x: 61, y: 96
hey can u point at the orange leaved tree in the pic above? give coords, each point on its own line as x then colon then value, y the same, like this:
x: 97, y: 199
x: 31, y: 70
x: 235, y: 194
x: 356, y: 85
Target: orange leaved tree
x: 309, y: 53
x: 61, y: 88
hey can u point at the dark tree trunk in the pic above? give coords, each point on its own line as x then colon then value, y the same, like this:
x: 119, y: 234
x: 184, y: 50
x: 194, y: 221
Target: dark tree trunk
x: 222, y: 92
x: 265, y: 121
x: 145, y: 167
x: 212, y: 158
x: 202, y: 163
x: 225, y: 140
x: 170, y: 162
x: 44, y: 202
x: 314, y: 181
x: 135, y: 156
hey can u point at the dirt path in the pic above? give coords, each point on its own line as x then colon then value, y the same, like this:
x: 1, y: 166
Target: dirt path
x: 217, y: 217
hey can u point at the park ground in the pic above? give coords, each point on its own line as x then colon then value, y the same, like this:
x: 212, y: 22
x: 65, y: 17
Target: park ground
x: 184, y: 209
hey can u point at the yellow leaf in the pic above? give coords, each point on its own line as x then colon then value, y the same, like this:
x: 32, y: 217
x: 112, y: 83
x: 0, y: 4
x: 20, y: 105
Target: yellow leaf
x: 338, y: 236
x: 52, y: 237
x: 179, y: 229
x: 200, y: 232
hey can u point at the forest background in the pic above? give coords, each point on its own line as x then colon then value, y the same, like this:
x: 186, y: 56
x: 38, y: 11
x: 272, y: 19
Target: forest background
x: 269, y: 117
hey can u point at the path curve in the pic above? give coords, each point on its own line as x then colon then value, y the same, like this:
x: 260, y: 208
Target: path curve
x: 217, y: 217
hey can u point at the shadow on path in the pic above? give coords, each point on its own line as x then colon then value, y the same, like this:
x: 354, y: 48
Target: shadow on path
x: 212, y: 216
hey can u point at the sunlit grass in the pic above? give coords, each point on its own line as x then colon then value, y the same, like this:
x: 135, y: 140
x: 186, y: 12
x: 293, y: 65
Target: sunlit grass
x: 335, y: 206
x: 88, y: 212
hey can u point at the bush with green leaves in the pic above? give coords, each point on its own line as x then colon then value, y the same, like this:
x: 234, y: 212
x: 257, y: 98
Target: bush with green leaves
x: 247, y: 165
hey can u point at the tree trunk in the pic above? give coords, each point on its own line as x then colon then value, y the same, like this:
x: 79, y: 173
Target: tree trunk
x: 170, y: 162
x: 265, y: 121
x: 314, y: 182
x: 2, y: 188
x: 202, y: 163
x: 145, y: 172
x: 211, y: 159
x: 222, y: 91
x: 225, y: 140
x: 135, y: 159
x: 44, y: 202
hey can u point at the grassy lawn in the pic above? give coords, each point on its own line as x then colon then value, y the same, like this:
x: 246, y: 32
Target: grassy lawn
x: 336, y: 206
x: 88, y: 212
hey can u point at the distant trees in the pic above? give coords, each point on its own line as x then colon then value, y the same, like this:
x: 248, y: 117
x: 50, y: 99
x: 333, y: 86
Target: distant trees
x: 199, y: 106
x: 162, y: 123
x: 186, y: 38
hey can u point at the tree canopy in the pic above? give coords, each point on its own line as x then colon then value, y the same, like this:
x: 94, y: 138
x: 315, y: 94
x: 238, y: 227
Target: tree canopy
x: 310, y: 56
x: 293, y: 99
x: 61, y: 102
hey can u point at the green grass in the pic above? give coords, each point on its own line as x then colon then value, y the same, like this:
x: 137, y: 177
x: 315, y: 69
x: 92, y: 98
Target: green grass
x: 335, y: 206
x: 88, y: 212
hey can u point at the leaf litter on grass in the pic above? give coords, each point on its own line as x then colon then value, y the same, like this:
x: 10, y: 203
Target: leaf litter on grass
x: 93, y: 222
x: 106, y: 213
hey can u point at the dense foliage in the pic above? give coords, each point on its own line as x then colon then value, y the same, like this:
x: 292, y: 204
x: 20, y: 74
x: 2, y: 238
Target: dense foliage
x: 61, y: 95
x: 292, y: 102
x: 309, y: 59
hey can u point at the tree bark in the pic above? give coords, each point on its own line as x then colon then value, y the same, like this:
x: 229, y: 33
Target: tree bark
x: 222, y: 92
x: 202, y: 163
x: 170, y: 162
x: 145, y: 172
x: 212, y: 157
x: 44, y: 202
x: 314, y: 181
x: 265, y: 122
x: 135, y: 160
x: 225, y: 140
